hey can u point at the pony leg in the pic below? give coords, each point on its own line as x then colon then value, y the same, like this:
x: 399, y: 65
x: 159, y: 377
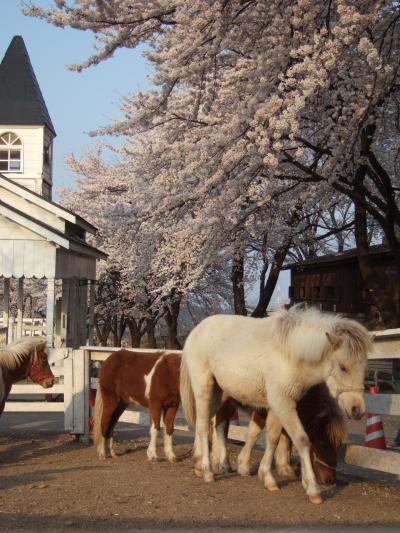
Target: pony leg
x: 282, y: 456
x: 256, y: 425
x: 109, y: 443
x: 110, y: 404
x: 197, y: 457
x: 286, y: 407
x: 155, y: 416
x: 219, y: 456
x: 220, y: 428
x: 169, y: 417
x: 274, y: 429
x: 207, y: 404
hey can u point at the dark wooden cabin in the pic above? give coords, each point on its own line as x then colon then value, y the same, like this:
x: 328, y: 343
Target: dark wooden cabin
x: 333, y: 282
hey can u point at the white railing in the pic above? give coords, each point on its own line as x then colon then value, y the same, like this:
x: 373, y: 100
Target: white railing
x: 73, y: 370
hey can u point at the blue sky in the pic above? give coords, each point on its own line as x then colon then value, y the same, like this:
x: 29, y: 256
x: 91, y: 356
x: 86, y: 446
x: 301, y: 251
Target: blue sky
x: 77, y: 103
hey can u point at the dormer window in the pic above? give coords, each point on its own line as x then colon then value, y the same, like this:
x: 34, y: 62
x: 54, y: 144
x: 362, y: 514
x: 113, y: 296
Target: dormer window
x: 10, y: 153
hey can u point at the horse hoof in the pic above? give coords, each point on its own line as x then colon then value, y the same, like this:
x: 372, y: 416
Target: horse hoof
x: 315, y: 499
x: 285, y: 471
x: 209, y: 477
x: 172, y: 459
x: 272, y: 488
x: 198, y: 472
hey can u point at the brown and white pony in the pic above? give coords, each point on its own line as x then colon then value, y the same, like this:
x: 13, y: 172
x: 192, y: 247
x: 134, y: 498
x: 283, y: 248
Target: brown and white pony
x: 137, y: 378
x: 323, y: 422
x: 24, y: 358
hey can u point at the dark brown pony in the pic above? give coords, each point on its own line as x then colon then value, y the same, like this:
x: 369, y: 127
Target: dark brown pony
x: 26, y: 358
x: 323, y: 421
x: 136, y: 378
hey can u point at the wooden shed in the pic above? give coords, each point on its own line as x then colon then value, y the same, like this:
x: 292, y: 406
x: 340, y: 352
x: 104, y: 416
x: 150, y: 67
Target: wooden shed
x: 333, y: 282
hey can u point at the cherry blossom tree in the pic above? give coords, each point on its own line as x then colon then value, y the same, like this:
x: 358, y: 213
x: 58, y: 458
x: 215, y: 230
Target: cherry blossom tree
x: 253, y: 101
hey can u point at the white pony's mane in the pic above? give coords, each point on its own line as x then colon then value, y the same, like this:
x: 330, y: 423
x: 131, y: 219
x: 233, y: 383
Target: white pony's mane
x: 13, y: 355
x: 302, y: 333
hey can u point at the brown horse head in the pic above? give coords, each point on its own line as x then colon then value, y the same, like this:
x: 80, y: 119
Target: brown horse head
x: 324, y: 423
x: 38, y: 368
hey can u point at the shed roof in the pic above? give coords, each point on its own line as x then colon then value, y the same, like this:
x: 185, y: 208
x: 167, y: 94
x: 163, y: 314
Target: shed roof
x: 377, y: 251
x: 21, y: 99
x: 49, y: 233
x: 43, y: 202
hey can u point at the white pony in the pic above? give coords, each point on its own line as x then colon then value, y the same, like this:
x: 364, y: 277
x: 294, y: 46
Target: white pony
x: 271, y: 362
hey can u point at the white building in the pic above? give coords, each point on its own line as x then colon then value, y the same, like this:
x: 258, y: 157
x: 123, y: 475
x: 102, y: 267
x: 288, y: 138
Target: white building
x: 39, y: 238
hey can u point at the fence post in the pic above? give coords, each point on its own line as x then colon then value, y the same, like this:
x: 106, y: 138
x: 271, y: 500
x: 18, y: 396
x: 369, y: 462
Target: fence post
x: 76, y: 399
x: 69, y: 392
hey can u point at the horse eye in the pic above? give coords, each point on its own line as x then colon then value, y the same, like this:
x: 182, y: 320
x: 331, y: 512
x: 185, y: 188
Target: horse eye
x: 343, y: 368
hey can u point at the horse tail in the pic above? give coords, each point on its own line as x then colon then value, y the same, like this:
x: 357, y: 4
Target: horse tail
x: 187, y: 396
x: 98, y: 413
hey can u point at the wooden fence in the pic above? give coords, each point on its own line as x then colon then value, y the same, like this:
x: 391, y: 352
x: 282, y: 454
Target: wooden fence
x: 74, y: 368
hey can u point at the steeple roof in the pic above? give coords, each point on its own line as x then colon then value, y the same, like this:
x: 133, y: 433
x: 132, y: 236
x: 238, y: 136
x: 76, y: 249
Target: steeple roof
x: 20, y: 96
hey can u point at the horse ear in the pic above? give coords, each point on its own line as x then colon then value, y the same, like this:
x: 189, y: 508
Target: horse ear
x: 335, y: 340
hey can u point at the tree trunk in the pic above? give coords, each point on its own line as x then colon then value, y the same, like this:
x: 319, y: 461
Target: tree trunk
x: 102, y: 332
x: 118, y: 329
x: 237, y: 278
x: 267, y: 289
x: 171, y: 318
x: 135, y: 331
x: 150, y: 332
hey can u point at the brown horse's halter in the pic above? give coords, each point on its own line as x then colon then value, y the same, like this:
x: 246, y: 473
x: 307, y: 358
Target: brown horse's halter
x: 320, y: 461
x: 34, y: 372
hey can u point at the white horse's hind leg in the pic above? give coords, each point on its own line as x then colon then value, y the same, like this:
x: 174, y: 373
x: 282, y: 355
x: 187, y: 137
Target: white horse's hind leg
x: 243, y: 461
x: 286, y: 407
x: 282, y: 457
x: 197, y: 456
x: 207, y: 404
x: 274, y: 429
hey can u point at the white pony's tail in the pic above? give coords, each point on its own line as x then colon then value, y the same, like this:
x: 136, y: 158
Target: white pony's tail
x: 187, y: 396
x: 98, y: 413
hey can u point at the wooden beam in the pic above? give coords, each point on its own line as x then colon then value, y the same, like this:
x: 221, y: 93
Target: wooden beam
x: 91, y: 311
x: 20, y: 307
x: 50, y: 312
x: 6, y: 305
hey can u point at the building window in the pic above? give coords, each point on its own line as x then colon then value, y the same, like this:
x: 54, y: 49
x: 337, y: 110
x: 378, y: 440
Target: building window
x: 47, y: 154
x: 10, y: 153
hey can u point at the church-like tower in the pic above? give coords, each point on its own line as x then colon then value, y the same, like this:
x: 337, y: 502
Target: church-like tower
x: 26, y: 130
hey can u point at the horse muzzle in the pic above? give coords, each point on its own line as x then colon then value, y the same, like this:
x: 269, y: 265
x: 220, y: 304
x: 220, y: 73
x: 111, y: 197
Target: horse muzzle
x: 47, y: 383
x: 355, y: 413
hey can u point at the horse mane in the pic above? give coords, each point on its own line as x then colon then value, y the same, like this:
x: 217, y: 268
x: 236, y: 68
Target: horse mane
x: 13, y: 355
x: 302, y: 333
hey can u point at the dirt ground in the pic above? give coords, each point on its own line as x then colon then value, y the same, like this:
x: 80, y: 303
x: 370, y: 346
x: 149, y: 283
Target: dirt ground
x: 51, y: 482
